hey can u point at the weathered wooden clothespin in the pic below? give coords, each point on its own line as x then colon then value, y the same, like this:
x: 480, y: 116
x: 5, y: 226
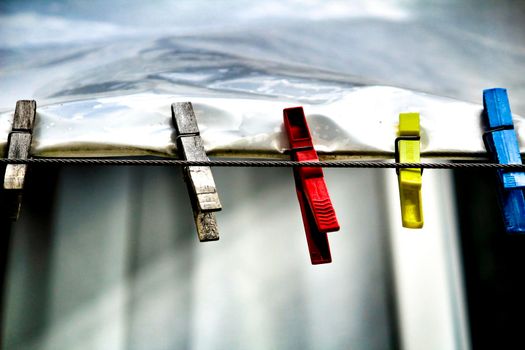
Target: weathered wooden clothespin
x: 199, y: 179
x: 18, y: 146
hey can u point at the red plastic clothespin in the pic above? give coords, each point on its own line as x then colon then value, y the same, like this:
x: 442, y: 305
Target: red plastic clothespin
x: 316, y: 206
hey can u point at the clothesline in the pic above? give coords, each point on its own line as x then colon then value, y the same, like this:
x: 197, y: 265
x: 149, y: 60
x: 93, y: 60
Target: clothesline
x: 260, y: 163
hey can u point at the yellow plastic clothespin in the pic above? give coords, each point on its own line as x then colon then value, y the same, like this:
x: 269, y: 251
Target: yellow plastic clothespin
x: 407, y: 151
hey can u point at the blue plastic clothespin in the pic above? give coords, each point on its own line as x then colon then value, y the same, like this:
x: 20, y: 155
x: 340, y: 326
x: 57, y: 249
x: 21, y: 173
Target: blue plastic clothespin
x: 502, y: 143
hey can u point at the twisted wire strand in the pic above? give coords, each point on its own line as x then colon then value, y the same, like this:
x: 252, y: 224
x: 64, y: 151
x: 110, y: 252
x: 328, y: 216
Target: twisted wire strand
x: 260, y: 163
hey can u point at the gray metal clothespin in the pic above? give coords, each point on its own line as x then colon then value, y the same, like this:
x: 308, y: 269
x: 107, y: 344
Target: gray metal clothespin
x: 199, y: 179
x: 18, y: 146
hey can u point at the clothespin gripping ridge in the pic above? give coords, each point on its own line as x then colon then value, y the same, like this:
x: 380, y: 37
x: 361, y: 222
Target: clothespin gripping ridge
x: 19, y: 144
x: 407, y: 147
x: 199, y: 179
x: 502, y: 144
x: 316, y: 207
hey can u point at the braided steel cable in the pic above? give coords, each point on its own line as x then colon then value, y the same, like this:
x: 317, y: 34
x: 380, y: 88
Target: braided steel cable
x: 260, y: 163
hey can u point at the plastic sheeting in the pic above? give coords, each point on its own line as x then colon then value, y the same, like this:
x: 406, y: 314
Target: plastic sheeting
x: 107, y: 93
x: 356, y: 122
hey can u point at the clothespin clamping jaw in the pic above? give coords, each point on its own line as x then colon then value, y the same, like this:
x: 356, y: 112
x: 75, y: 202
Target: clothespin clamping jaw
x: 18, y: 146
x: 316, y: 207
x: 199, y: 179
x: 408, y: 151
x: 502, y: 144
